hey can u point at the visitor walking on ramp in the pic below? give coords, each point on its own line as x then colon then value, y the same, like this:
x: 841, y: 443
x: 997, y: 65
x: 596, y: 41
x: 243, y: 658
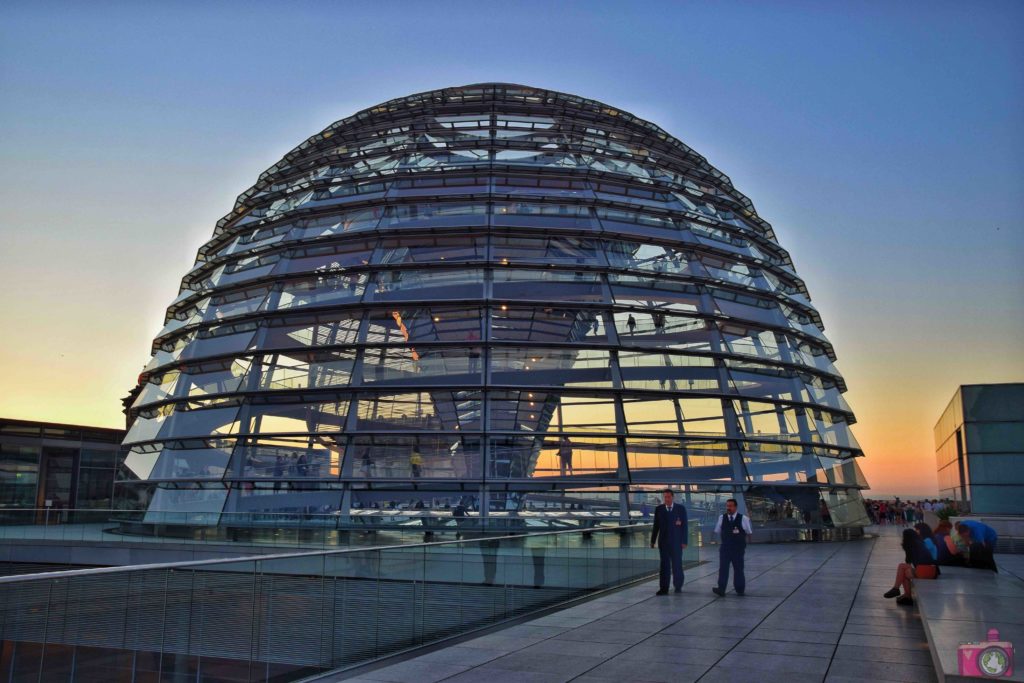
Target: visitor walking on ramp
x: 733, y: 529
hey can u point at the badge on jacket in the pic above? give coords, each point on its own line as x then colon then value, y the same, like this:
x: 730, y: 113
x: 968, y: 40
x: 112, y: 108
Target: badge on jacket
x: 679, y: 522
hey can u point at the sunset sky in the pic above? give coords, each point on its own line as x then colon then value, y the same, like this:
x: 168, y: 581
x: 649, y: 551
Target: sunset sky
x: 882, y: 140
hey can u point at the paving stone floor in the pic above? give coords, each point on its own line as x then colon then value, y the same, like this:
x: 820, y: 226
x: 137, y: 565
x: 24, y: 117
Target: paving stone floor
x: 812, y: 612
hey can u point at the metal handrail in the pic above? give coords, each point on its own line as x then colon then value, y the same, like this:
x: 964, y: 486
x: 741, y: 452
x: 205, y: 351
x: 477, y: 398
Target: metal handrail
x: 355, y: 512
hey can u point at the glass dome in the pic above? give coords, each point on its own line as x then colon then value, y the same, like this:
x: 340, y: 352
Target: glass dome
x: 500, y: 296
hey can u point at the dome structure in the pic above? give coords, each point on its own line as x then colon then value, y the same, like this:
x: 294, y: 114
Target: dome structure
x: 500, y: 296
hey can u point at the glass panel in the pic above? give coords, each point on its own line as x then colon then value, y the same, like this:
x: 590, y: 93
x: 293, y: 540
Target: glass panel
x: 584, y: 414
x: 778, y: 464
x: 314, y: 457
x: 576, y: 455
x: 749, y: 308
x: 664, y: 330
x: 547, y: 285
x: 220, y: 340
x: 434, y: 215
x: 430, y: 249
x: 846, y: 508
x: 541, y: 186
x: 435, y: 185
x: 653, y: 258
x: 192, y: 463
x: 329, y: 288
x: 212, y: 377
x: 330, y: 258
x: 186, y: 505
x: 528, y: 411
x: 321, y: 226
x: 427, y: 365
x: 305, y: 370
x: 775, y: 421
x: 428, y: 285
x: 624, y: 221
x: 547, y: 324
x: 426, y: 456
x: 200, y: 422
x: 646, y: 416
x: 513, y: 458
x: 633, y: 290
x: 665, y: 371
x: 19, y: 475
x: 236, y: 303
x: 328, y: 329
x: 663, y: 458
x: 555, y: 250
x: 426, y: 324
x: 298, y: 417
x: 551, y: 367
x: 528, y: 214
x: 440, y: 410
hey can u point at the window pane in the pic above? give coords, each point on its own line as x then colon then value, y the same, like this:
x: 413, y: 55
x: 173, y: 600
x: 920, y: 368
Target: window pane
x: 442, y: 410
x: 547, y: 324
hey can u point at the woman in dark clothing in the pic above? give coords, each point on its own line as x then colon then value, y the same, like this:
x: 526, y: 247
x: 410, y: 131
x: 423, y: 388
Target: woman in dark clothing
x: 919, y: 565
x: 925, y: 532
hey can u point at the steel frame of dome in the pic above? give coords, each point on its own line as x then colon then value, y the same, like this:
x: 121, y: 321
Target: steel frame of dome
x: 499, y: 293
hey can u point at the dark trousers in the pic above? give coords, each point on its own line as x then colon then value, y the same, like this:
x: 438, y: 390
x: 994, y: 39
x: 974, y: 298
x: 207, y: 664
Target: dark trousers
x: 982, y: 557
x: 671, y: 565
x: 731, y: 555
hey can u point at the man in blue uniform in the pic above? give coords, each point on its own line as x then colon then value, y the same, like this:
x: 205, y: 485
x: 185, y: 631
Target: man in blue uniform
x: 733, y: 529
x: 671, y: 534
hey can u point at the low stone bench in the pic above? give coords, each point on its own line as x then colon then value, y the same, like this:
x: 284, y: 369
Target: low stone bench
x: 961, y: 606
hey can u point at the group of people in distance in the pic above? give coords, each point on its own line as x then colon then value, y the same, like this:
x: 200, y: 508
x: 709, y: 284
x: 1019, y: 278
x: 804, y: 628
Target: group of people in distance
x: 968, y: 543
x: 906, y: 512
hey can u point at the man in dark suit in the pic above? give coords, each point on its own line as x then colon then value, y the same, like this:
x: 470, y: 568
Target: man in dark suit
x: 671, y: 534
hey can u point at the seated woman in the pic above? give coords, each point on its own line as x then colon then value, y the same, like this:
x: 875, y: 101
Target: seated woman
x: 950, y: 552
x: 925, y: 532
x: 919, y: 565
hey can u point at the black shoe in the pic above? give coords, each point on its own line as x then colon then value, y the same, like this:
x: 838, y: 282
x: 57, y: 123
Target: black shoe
x: 679, y: 590
x: 662, y: 592
x: 905, y: 600
x: 892, y: 593
x: 740, y: 592
x: 718, y: 591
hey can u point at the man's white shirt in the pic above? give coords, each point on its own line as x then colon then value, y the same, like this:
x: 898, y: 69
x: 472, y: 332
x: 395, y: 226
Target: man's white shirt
x: 745, y: 522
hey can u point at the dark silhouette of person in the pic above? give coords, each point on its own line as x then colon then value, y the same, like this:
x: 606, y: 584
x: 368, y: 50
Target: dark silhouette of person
x: 565, y: 454
x: 278, y: 472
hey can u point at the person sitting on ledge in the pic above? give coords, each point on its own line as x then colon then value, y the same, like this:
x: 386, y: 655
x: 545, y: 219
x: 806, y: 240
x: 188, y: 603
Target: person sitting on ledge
x: 925, y: 532
x: 949, y: 552
x: 919, y: 565
x: 981, y: 542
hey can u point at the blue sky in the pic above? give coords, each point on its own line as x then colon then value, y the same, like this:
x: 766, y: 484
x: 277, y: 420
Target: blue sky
x: 882, y: 140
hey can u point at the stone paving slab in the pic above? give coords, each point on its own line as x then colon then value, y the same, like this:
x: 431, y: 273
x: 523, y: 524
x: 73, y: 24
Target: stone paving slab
x: 812, y: 612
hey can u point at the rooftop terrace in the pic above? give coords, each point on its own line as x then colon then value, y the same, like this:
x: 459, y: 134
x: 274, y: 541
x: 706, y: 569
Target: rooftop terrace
x: 812, y: 612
